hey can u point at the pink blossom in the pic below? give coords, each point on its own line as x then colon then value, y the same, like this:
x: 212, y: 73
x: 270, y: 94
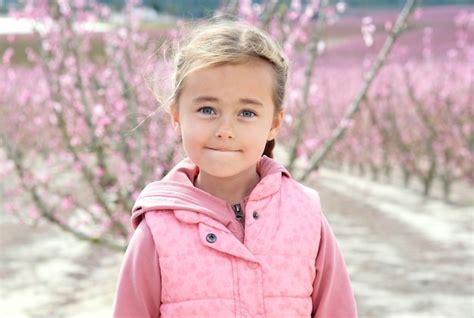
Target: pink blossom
x: 7, y: 56
x: 67, y: 203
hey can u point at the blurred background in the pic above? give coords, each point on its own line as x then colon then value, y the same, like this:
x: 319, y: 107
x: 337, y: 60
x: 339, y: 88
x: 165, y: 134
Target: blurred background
x: 379, y: 119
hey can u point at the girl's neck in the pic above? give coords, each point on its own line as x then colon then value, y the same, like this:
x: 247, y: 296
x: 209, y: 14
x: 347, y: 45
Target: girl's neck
x: 230, y: 189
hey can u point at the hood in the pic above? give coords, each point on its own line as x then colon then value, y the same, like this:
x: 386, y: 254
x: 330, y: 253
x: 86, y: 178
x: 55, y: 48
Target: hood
x: 176, y: 192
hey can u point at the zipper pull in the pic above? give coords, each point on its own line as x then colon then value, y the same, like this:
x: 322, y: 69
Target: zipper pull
x: 237, y: 211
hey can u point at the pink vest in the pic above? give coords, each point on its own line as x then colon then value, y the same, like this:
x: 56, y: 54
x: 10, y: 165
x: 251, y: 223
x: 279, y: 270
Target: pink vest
x: 207, y: 272
x: 191, y: 258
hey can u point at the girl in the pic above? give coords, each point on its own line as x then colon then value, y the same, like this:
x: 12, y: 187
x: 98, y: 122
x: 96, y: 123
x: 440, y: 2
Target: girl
x: 228, y: 232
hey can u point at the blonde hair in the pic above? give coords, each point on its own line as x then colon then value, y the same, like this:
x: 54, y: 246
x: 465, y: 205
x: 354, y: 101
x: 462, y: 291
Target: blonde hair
x: 223, y: 42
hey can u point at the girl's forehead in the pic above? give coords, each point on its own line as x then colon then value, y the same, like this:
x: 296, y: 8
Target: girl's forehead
x: 248, y: 67
x: 254, y: 78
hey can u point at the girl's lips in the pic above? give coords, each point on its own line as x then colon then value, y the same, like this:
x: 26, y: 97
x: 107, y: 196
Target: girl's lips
x: 223, y: 150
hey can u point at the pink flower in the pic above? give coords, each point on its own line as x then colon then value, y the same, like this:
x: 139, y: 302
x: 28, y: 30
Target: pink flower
x: 7, y: 56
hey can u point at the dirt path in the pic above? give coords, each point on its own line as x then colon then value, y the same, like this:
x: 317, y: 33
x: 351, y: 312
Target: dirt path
x: 47, y: 273
x: 396, y: 271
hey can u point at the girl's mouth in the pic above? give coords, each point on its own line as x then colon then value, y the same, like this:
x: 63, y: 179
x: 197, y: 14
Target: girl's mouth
x: 223, y: 150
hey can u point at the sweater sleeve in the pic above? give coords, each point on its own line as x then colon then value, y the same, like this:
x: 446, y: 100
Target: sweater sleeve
x: 332, y: 292
x: 138, y: 291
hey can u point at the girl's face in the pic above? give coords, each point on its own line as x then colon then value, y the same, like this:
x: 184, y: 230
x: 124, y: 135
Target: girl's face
x: 226, y: 115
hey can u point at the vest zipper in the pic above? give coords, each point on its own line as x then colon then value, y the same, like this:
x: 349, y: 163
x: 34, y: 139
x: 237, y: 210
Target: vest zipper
x: 238, y: 212
x: 239, y: 215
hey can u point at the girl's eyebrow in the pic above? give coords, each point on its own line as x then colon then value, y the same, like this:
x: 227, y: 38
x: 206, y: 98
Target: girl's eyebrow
x: 215, y: 99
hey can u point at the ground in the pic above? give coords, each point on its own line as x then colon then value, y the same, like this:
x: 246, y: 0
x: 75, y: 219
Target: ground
x: 407, y: 257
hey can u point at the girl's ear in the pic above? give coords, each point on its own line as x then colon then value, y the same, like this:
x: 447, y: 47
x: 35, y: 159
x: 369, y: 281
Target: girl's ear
x: 175, y: 117
x: 277, y: 121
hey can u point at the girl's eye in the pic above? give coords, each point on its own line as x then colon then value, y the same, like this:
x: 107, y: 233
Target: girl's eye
x: 248, y: 113
x: 206, y: 110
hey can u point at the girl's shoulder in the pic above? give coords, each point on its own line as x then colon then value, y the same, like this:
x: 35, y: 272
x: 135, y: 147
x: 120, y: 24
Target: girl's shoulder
x: 300, y: 191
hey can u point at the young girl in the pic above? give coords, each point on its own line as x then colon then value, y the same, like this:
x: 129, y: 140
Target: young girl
x: 228, y: 232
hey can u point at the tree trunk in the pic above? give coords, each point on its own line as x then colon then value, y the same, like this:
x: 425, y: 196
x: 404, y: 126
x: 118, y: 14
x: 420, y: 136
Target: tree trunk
x: 406, y: 177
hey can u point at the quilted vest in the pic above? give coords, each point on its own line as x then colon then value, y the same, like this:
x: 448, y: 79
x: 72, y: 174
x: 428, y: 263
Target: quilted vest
x: 207, y: 271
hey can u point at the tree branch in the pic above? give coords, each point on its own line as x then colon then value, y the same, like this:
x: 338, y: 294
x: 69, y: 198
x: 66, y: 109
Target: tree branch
x: 301, y: 117
x: 341, y: 129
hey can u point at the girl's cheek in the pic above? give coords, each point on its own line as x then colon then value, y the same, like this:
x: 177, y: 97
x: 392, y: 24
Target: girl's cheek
x: 196, y: 127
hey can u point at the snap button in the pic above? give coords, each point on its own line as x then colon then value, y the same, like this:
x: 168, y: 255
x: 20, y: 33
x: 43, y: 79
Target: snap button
x: 211, y: 237
x: 255, y: 215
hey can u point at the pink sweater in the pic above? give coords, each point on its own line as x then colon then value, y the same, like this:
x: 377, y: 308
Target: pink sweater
x: 173, y: 211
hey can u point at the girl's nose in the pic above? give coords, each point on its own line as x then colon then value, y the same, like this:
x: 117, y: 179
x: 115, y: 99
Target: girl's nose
x: 225, y: 131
